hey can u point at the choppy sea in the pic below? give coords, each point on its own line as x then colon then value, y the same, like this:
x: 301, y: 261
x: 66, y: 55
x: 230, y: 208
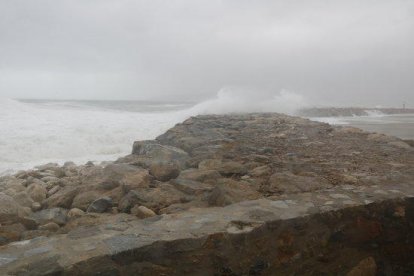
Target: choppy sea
x: 35, y: 132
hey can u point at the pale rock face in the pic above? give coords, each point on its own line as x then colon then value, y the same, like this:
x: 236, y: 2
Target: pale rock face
x: 75, y: 213
x: 23, y: 199
x: 142, y: 212
x: 8, y: 206
x: 37, y: 192
x: 50, y: 226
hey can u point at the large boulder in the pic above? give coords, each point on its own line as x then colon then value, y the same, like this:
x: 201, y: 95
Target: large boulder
x: 116, y: 174
x: 9, y: 209
x: 154, y: 152
x: 164, y: 171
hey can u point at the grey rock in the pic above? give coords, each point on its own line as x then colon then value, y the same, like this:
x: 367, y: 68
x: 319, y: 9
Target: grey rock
x: 100, y: 205
x: 56, y: 215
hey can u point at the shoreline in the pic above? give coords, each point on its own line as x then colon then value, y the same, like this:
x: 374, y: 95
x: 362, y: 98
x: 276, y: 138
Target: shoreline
x: 222, y: 167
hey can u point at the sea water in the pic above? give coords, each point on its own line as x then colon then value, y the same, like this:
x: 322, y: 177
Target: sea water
x: 36, y: 132
x: 39, y: 132
x: 399, y: 125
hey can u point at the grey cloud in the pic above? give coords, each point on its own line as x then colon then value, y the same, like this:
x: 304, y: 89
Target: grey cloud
x: 332, y: 52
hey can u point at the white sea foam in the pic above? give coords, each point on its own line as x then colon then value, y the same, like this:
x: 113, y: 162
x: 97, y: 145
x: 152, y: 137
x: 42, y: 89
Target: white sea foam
x: 37, y: 133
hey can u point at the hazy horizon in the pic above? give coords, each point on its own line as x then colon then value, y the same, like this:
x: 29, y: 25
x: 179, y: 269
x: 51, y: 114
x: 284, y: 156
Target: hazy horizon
x: 330, y: 53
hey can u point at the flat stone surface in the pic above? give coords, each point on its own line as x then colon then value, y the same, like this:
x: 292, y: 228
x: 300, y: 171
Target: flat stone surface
x: 87, y: 243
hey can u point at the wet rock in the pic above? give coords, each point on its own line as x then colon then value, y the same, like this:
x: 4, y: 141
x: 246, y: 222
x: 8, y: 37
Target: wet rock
x: 142, y: 212
x: 100, y: 205
x: 56, y: 215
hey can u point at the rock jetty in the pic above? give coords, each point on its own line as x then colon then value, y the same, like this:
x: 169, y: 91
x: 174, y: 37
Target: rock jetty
x: 241, y: 194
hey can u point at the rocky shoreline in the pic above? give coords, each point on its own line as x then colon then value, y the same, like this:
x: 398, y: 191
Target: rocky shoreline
x: 200, y: 179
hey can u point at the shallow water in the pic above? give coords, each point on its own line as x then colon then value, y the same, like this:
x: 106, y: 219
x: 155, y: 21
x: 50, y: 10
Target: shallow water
x: 401, y: 125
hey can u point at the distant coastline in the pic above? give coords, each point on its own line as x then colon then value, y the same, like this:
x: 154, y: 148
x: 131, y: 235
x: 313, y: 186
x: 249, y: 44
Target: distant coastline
x: 350, y: 111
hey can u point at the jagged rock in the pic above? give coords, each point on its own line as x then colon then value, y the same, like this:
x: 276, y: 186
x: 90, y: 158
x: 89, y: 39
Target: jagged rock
x: 56, y: 215
x: 100, y: 205
x: 37, y: 192
x: 142, y: 212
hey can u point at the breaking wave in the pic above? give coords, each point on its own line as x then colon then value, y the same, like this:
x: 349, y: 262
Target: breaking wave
x: 34, y: 133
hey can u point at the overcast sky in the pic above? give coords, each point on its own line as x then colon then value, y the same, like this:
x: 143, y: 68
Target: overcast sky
x: 331, y: 52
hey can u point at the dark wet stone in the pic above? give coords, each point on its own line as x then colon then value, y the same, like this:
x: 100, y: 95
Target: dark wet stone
x: 100, y: 205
